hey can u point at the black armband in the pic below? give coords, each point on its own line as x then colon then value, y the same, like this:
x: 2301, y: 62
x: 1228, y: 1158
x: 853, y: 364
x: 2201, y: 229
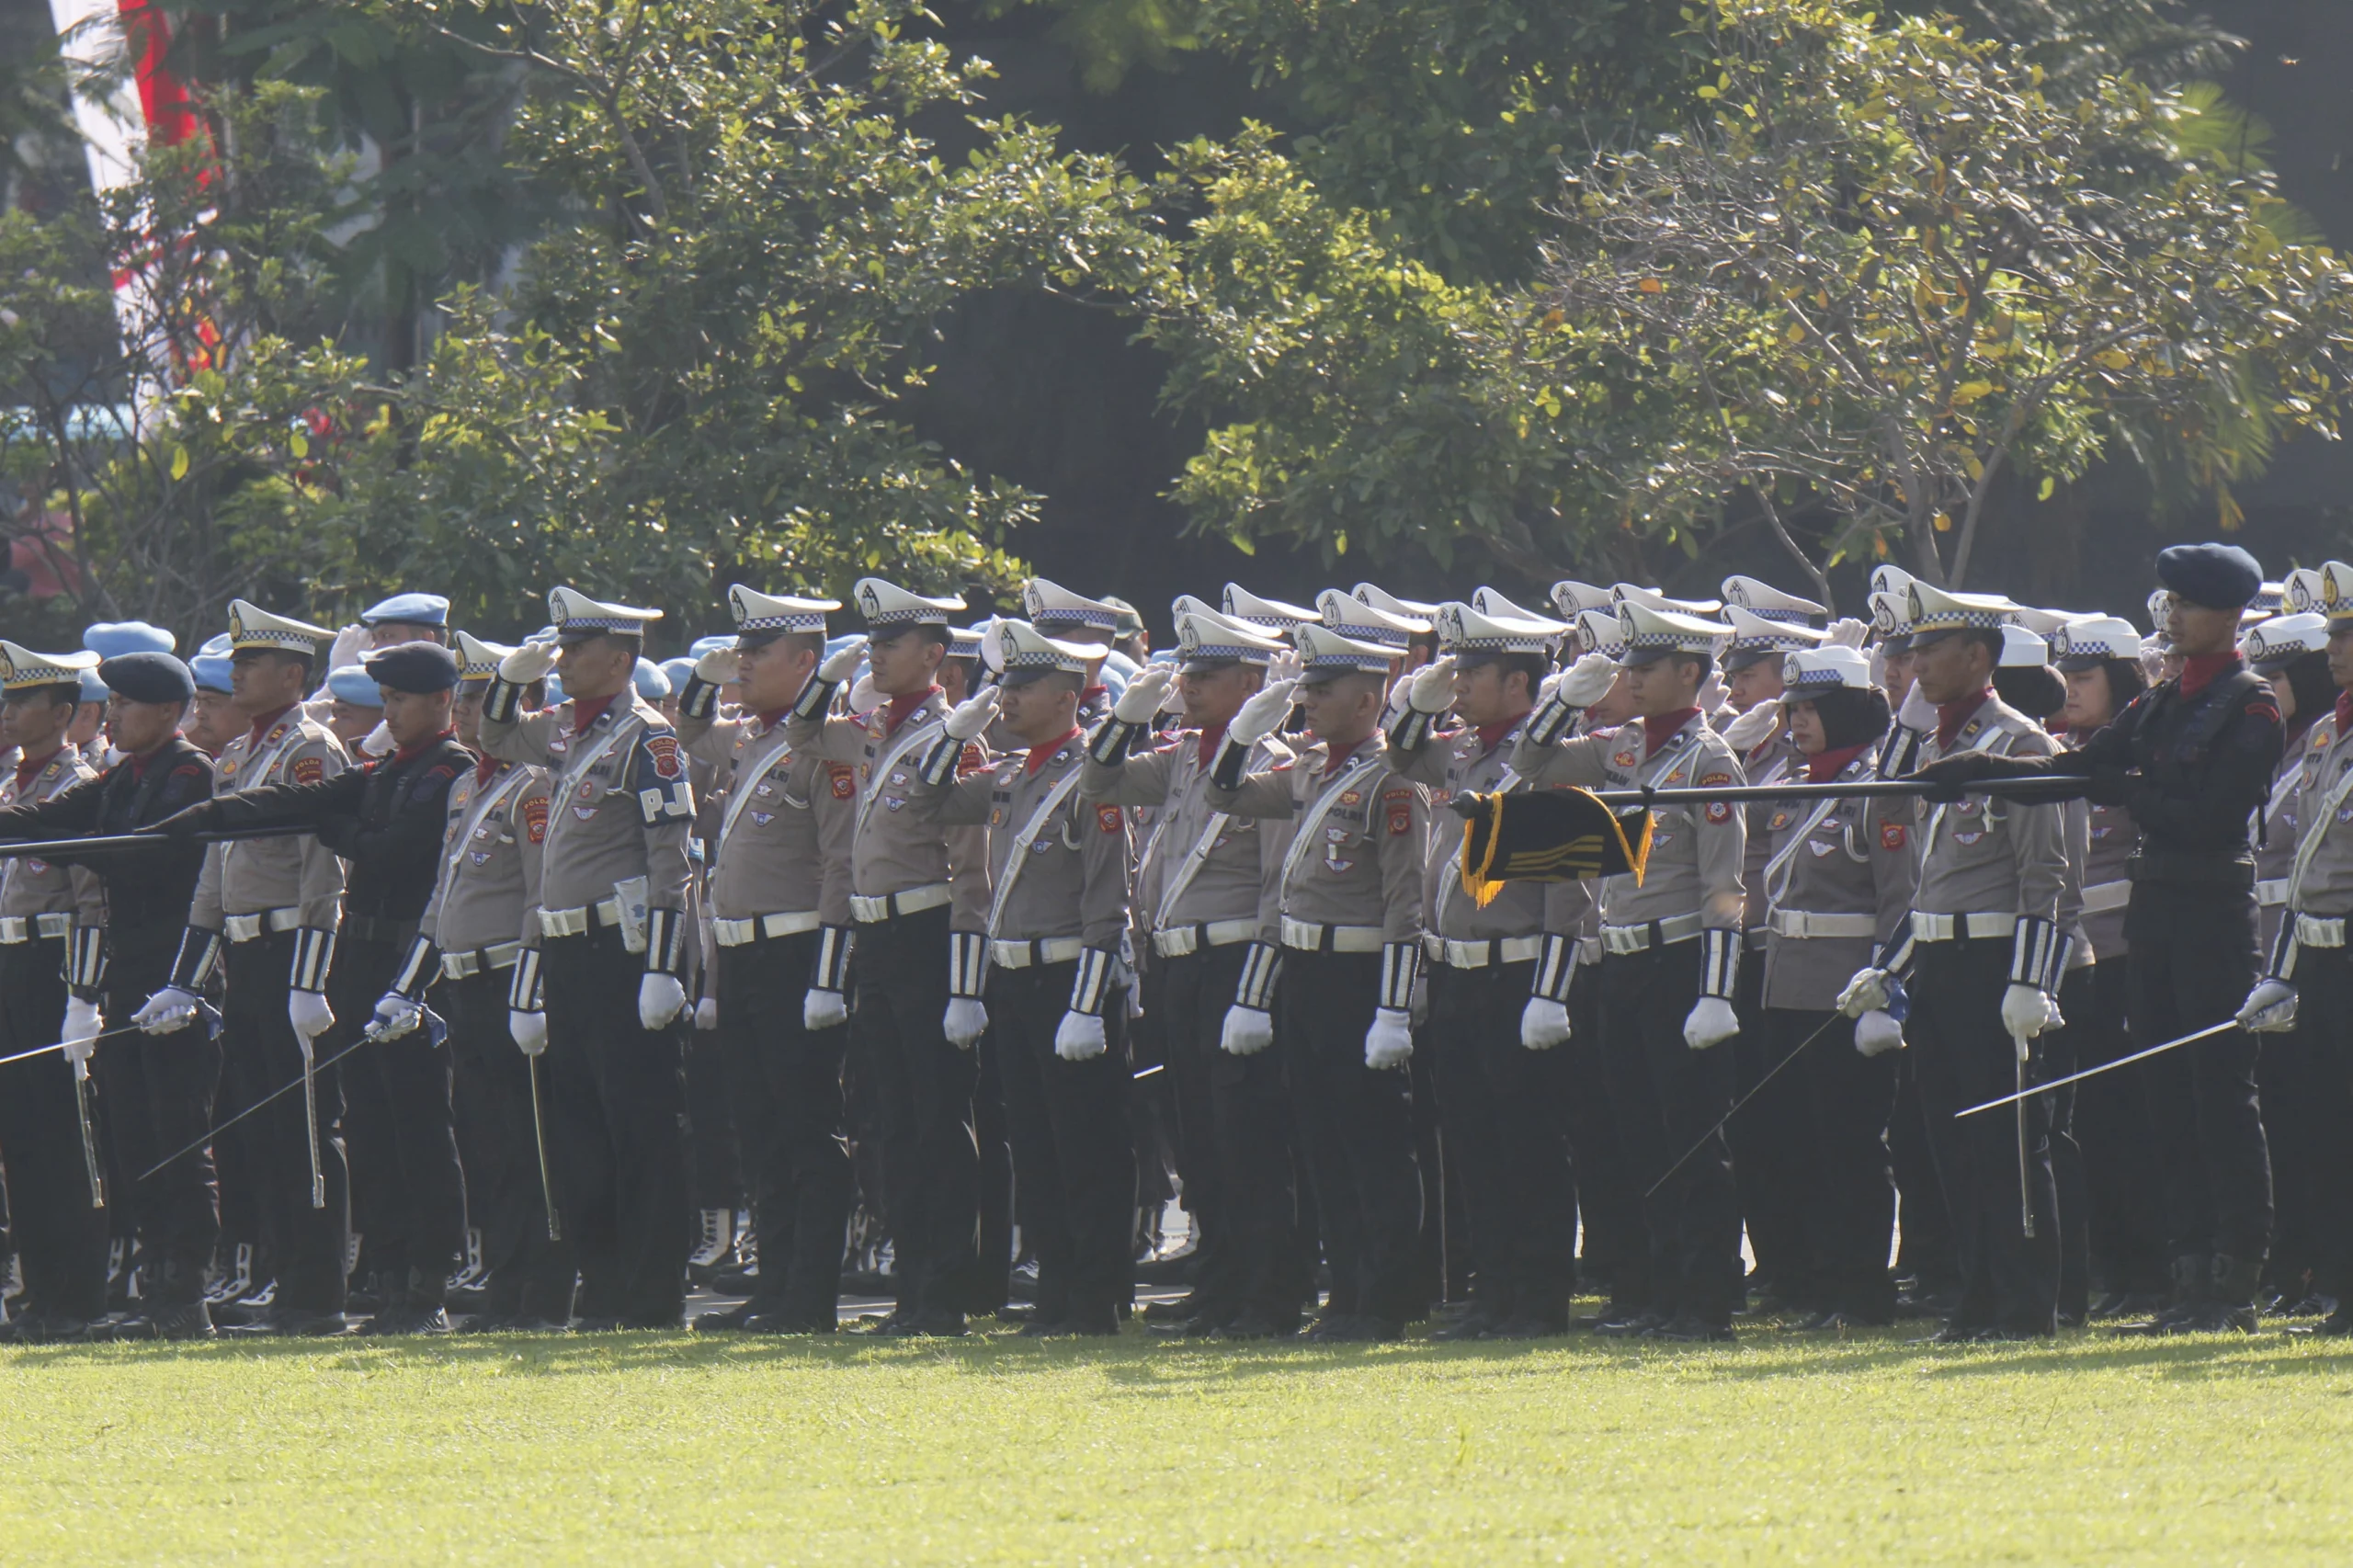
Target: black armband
x: 313, y: 957
x: 814, y: 698
x: 2285, y: 948
x: 1556, y: 961
x: 968, y: 962
x: 834, y: 944
x: 1261, y: 967
x: 1091, y: 986
x: 504, y: 699
x: 523, y: 992
x: 1894, y: 955
x: 199, y: 951
x: 700, y: 700
x: 940, y: 763
x: 1226, y: 767
x: 2034, y: 947
x: 1720, y: 963
x: 1110, y: 743
x: 418, y: 968
x: 1410, y: 731
x: 1401, y: 965
x: 665, y: 942
x: 1548, y: 723
x: 85, y: 958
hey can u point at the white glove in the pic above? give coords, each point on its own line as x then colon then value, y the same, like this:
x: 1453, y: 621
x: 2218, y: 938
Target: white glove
x: 970, y: 716
x: 707, y: 1014
x: 964, y: 1022
x: 527, y: 663
x: 1173, y: 700
x: 2269, y: 1008
x: 170, y: 1009
x: 395, y: 1015
x: 1390, y: 1042
x: 1846, y: 633
x: 1867, y: 993
x: 83, y: 1025
x: 1432, y: 689
x: 824, y: 1009
x: 1249, y: 1031
x: 838, y: 664
x: 311, y: 1016
x: 863, y: 695
x: 531, y: 1031
x: 660, y: 998
x: 1079, y: 1038
x: 1711, y: 1022
x: 1258, y: 718
x: 719, y: 667
x: 1749, y: 730
x: 1587, y: 682
x: 1142, y: 697
x: 2023, y: 1013
x: 1878, y: 665
x: 2052, y: 1018
x: 1876, y: 1034
x: 1713, y: 693
x: 1917, y: 714
x: 1543, y: 1024
x: 379, y: 741
x: 1283, y: 666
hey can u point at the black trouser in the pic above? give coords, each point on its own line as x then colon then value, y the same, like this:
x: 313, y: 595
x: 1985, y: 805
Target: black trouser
x: 718, y: 1175
x: 1497, y: 1101
x: 1155, y: 1117
x: 987, y: 1282
x: 1847, y: 1183
x: 2055, y: 1057
x: 923, y: 1089
x: 1965, y: 1057
x: 1770, y: 1148
x: 2112, y: 1120
x: 2192, y: 962
x: 1191, y: 1021
x: 1073, y: 1160
x: 784, y: 1084
x: 616, y: 1113
x: 530, y: 1275
x: 1615, y: 1247
x: 260, y: 1055
x: 1355, y: 1128
x: 159, y: 1092
x: 60, y: 1238
x: 1926, y: 1247
x: 1667, y: 1097
x: 2324, y: 981
x: 404, y: 1149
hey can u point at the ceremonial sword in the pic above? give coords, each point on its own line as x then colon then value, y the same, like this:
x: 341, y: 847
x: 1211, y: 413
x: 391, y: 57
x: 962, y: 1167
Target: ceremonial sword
x: 2191, y: 1038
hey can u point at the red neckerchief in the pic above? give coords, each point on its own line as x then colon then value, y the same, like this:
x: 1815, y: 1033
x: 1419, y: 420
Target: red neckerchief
x: 2344, y: 710
x: 27, y: 771
x: 265, y: 721
x: 139, y: 761
x: 1093, y: 693
x: 1038, y: 754
x: 1210, y: 735
x: 1660, y: 728
x: 2198, y: 672
x: 770, y: 721
x: 1492, y: 735
x: 586, y: 710
x: 483, y: 768
x: 1335, y: 759
x: 406, y: 753
x: 1951, y: 716
x: 901, y: 708
x: 1825, y: 766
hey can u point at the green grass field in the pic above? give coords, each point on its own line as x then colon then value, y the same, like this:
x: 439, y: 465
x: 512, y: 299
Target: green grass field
x: 664, y: 1449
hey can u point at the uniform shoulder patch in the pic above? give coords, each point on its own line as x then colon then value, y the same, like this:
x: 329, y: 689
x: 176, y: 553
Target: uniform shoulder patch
x: 664, y: 749
x: 1719, y: 812
x: 308, y: 769
x: 1403, y: 792
x: 2262, y: 706
x: 1709, y: 780
x: 842, y: 778
x: 1401, y: 812
x: 970, y: 760
x: 1108, y: 819
x: 535, y: 819
x: 1890, y: 835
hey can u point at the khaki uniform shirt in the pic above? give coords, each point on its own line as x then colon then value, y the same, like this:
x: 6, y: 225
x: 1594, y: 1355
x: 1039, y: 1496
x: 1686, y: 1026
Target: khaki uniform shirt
x: 1850, y: 857
x: 1073, y: 865
x: 1986, y: 855
x: 30, y: 887
x: 1364, y: 863
x: 2325, y: 842
x: 1452, y: 764
x: 261, y: 874
x: 1232, y: 878
x: 781, y: 842
x: 893, y: 848
x: 488, y: 887
x: 616, y: 811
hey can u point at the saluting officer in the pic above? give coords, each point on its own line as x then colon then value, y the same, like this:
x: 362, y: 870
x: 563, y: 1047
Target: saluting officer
x: 1057, y: 985
x: 276, y: 902
x: 602, y: 990
x: 919, y: 895
x: 49, y: 1139
x: 1498, y: 979
x: 1670, y: 964
x: 779, y: 916
x: 1202, y: 895
x: 1348, y: 901
x: 385, y: 818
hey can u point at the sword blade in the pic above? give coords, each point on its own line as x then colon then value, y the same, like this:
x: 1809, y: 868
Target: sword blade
x: 1754, y: 1090
x: 311, y: 1122
x: 2191, y: 1038
x: 89, y: 1134
x: 278, y: 1093
x: 539, y: 1137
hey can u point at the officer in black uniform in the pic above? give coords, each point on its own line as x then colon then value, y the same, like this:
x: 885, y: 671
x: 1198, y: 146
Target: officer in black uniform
x: 158, y: 1090
x: 386, y: 819
x: 2191, y: 760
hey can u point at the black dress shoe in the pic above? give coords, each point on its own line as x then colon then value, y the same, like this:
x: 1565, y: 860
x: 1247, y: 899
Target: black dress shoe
x: 1640, y: 1327
x: 293, y: 1322
x: 1252, y: 1323
x: 926, y: 1326
x: 1473, y: 1323
x: 1958, y: 1334
x: 775, y: 1321
x: 1688, y: 1328
x: 729, y: 1321
x: 598, y: 1323
x: 1354, y: 1328
x: 407, y: 1318
x: 1530, y: 1327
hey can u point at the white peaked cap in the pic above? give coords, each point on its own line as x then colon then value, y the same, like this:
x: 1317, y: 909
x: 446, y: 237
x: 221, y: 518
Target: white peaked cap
x: 1366, y: 623
x: 1761, y: 598
x: 575, y: 612
x: 1811, y: 670
x: 1240, y: 604
x: 756, y: 611
x: 250, y: 626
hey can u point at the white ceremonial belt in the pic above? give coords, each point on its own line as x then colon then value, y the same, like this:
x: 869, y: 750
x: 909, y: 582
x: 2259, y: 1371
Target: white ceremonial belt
x: 247, y: 927
x: 2101, y: 897
x: 907, y: 901
x: 2316, y: 931
x: 581, y: 921
x: 1588, y: 951
x: 1623, y: 939
x: 1010, y: 954
x: 1480, y: 955
x: 1959, y: 927
x: 15, y: 929
x: 730, y: 933
x: 1308, y: 937
x: 1183, y: 942
x: 1802, y: 925
x: 2269, y: 892
x: 498, y: 955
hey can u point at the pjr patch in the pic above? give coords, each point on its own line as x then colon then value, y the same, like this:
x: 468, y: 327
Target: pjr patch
x: 664, y: 750
x: 535, y: 818
x: 1890, y: 835
x: 308, y: 769
x: 1107, y: 819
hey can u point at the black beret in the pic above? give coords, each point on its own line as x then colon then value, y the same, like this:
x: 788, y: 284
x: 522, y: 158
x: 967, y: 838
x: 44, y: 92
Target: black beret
x: 2220, y: 576
x: 148, y: 677
x: 417, y: 667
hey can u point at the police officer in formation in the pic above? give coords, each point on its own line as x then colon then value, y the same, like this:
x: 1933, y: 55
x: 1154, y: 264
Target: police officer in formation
x: 936, y: 860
